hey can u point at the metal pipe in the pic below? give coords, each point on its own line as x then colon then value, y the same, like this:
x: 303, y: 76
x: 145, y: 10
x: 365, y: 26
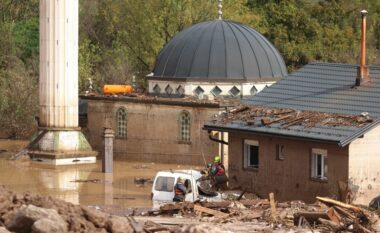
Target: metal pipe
x: 216, y: 139
x: 363, y: 38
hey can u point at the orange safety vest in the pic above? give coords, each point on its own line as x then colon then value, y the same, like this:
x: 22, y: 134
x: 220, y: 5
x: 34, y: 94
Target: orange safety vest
x: 178, y: 191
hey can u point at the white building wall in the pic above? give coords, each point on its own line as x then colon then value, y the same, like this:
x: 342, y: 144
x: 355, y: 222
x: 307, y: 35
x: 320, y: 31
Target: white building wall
x: 59, y: 63
x: 364, y: 167
x: 190, y: 87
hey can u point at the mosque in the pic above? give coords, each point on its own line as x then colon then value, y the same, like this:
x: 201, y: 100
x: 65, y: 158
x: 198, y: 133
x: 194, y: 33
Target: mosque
x: 199, y: 73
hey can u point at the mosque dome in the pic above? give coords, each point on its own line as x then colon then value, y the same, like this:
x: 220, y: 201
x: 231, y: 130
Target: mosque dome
x: 219, y: 50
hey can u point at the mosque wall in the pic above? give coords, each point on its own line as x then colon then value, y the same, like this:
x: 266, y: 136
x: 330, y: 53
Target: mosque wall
x: 153, y: 131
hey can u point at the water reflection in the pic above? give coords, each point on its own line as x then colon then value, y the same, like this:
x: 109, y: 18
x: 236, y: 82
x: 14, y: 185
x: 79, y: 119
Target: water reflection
x: 84, y: 184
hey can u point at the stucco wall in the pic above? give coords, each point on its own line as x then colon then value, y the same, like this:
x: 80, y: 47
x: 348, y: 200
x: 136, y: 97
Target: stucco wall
x: 152, y: 132
x: 289, y: 179
x: 364, y: 167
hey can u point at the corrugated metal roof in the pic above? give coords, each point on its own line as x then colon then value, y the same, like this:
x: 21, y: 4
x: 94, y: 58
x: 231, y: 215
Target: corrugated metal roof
x: 320, y: 87
x: 221, y: 50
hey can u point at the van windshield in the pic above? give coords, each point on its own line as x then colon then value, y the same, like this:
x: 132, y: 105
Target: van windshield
x: 165, y: 184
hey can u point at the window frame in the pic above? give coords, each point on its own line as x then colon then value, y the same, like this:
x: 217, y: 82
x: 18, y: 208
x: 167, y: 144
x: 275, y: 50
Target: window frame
x: 182, y: 139
x: 314, y: 170
x: 280, y: 155
x: 124, y: 135
x: 247, y: 143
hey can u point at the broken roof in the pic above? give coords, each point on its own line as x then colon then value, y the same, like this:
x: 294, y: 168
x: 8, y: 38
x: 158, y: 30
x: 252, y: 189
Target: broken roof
x: 333, y: 109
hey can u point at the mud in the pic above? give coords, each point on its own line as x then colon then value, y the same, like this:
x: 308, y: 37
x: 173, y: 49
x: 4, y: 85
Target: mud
x: 74, y: 183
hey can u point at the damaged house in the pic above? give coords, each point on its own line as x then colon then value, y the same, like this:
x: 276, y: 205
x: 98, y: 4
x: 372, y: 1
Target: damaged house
x: 315, y: 132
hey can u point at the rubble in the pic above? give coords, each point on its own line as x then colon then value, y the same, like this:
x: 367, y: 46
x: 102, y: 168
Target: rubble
x: 38, y: 214
x: 286, y: 117
x: 326, y: 215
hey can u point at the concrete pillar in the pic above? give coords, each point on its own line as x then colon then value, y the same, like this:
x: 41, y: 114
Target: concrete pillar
x: 60, y: 141
x: 107, y: 165
x: 59, y: 63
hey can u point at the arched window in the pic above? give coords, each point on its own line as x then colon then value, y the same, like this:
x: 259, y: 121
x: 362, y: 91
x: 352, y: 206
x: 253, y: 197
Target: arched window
x: 184, y: 126
x: 121, y: 122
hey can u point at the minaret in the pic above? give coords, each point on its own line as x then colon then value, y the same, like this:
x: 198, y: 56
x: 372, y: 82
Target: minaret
x: 60, y: 140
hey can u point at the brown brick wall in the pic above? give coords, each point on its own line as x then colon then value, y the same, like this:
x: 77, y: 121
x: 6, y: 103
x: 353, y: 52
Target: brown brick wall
x: 290, y: 178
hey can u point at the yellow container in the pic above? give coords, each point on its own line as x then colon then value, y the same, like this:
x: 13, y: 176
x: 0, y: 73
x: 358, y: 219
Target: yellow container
x: 117, y: 89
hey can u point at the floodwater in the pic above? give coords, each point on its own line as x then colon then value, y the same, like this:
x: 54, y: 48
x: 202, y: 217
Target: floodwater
x: 81, y: 184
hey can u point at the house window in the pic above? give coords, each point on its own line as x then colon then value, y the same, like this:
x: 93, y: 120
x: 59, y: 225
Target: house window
x: 319, y: 164
x: 157, y: 89
x: 121, y: 117
x: 234, y: 91
x: 251, y: 154
x: 184, y: 126
x: 280, y: 152
x: 216, y: 91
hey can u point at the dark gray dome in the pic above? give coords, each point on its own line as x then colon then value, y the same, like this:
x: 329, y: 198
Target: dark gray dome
x: 219, y: 50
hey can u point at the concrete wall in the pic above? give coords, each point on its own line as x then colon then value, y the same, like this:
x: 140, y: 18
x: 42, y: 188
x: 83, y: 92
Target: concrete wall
x: 289, y: 179
x: 153, y: 132
x: 245, y: 88
x: 364, y: 167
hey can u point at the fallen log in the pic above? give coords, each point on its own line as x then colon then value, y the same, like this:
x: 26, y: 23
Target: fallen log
x: 340, y: 204
x: 215, y: 213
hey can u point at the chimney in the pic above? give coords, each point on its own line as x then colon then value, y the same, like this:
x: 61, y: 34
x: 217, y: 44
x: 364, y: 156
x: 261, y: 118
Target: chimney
x: 363, y: 71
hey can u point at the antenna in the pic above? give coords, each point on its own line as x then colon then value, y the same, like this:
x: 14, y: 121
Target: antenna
x: 220, y: 9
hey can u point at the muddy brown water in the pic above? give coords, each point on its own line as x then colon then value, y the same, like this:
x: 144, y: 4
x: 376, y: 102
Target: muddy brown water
x: 116, y: 189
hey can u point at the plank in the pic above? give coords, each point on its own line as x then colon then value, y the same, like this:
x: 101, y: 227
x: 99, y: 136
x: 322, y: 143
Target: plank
x: 167, y: 220
x: 215, y: 213
x: 339, y: 203
x: 273, y: 206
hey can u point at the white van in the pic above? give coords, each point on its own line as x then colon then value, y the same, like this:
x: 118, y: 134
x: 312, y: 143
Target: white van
x: 164, y: 182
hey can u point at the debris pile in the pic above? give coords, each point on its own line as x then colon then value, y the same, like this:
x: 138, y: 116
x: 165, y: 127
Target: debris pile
x: 326, y: 215
x: 286, y: 117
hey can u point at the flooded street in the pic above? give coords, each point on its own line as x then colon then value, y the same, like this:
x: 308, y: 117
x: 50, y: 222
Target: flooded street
x: 69, y: 182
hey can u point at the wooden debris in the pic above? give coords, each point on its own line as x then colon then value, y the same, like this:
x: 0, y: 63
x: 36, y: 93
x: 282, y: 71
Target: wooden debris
x: 142, y: 180
x: 241, y: 194
x: 215, y: 213
x: 151, y: 227
x: 86, y: 181
x: 334, y: 226
x: 344, y: 212
x: 273, y: 206
x: 333, y: 215
x: 237, y: 110
x: 290, y: 117
x: 311, y: 217
x: 338, y: 203
x: 329, y: 214
x: 267, y: 121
